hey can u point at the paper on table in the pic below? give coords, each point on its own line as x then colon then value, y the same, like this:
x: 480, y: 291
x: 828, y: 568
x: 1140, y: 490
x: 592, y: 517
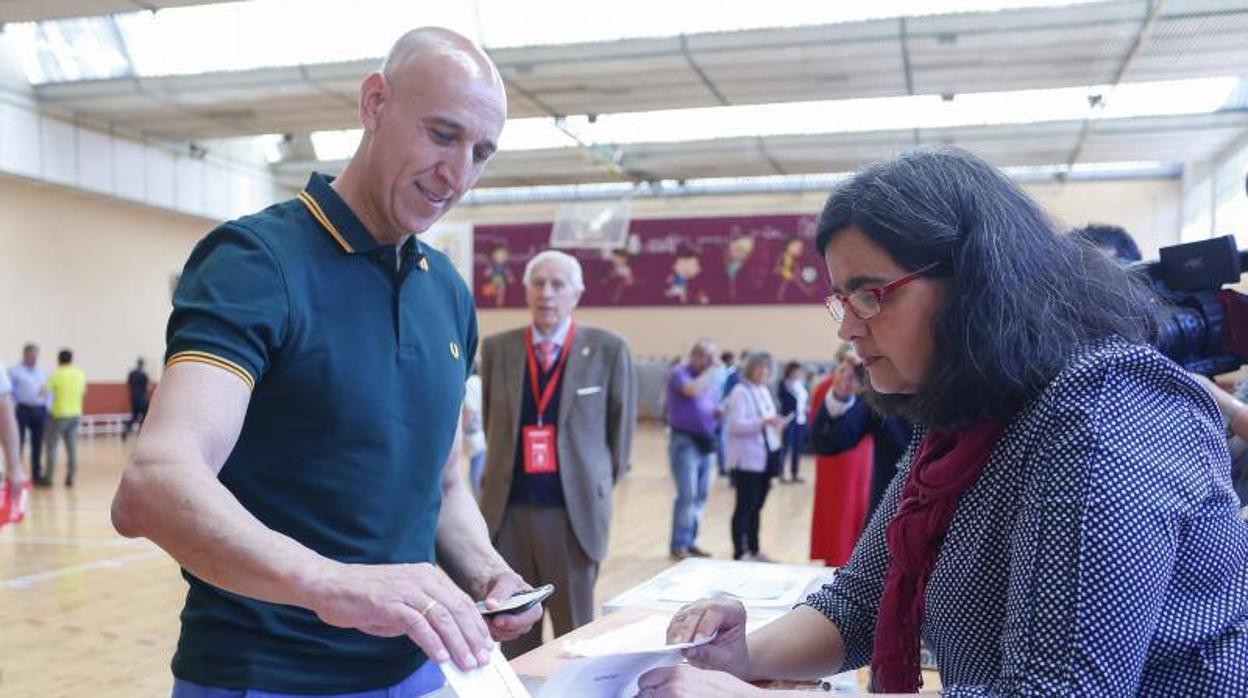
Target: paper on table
x: 494, y: 680
x: 614, y: 660
x: 761, y: 588
x: 612, y: 676
x: 646, y: 635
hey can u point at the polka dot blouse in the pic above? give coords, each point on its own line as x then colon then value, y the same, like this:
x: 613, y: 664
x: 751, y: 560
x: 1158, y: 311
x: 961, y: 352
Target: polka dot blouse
x: 1101, y: 552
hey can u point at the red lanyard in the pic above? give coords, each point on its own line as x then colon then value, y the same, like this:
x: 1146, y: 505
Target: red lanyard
x: 543, y: 401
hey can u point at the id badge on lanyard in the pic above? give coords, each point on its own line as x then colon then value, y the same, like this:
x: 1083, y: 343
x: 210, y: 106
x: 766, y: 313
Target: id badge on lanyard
x: 540, y: 450
x: 538, y: 443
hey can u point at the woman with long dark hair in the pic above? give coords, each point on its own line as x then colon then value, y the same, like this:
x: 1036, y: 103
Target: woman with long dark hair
x: 1063, y: 522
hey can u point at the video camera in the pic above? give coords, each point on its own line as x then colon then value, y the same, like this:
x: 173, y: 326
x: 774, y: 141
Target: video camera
x: 1204, y: 327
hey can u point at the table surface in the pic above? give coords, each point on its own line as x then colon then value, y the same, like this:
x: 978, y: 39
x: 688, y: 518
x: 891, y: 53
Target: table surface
x: 648, y: 593
x: 642, y: 602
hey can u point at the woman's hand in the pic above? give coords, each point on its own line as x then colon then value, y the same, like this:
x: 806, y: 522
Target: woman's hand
x: 723, y: 618
x: 683, y: 681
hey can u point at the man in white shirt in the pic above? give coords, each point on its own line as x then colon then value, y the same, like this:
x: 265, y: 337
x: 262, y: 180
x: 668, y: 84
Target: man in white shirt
x: 33, y: 401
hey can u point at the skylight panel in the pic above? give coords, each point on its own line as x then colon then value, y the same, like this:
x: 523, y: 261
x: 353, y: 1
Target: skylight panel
x: 1172, y: 97
x: 335, y: 145
x: 1163, y: 98
x: 506, y: 23
x: 267, y: 33
x: 72, y: 49
x: 271, y: 33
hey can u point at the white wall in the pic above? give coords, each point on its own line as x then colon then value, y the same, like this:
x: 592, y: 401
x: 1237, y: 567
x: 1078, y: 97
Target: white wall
x: 1214, y: 200
x: 55, y: 148
x: 87, y: 272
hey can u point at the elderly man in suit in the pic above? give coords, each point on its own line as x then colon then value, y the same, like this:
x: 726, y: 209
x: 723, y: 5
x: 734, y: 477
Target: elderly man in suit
x: 559, y: 408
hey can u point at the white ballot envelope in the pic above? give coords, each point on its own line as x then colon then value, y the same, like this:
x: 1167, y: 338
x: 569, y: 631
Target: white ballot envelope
x: 494, y: 680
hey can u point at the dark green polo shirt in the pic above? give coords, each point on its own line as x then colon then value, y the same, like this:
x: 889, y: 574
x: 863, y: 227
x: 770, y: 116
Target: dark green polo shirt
x: 357, y: 371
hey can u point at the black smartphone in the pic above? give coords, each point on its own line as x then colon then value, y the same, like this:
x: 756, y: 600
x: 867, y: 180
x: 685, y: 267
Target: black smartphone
x: 520, y: 601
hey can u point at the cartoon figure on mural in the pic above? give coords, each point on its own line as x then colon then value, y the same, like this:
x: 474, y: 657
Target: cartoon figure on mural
x: 789, y: 273
x: 685, y: 269
x: 498, y: 275
x: 735, y: 256
x: 621, y: 276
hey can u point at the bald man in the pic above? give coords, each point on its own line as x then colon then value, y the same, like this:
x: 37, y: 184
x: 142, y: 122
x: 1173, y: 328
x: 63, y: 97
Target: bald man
x: 300, y: 459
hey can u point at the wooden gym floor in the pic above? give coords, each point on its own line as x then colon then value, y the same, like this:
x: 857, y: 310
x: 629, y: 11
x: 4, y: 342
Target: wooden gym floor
x: 87, y: 612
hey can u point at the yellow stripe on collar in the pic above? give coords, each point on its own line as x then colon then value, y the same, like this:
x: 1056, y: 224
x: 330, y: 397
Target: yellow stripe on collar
x: 315, y: 209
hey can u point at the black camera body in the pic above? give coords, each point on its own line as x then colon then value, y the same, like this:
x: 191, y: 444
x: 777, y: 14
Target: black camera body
x: 1203, y: 327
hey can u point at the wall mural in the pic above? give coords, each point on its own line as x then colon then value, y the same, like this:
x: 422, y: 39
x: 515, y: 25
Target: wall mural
x: 670, y: 262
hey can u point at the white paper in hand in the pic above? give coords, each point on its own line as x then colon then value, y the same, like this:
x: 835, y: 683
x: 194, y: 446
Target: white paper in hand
x: 613, y: 662
x: 494, y: 680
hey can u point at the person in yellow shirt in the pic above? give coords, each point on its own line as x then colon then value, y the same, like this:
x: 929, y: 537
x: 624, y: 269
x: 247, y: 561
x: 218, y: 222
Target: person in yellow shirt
x: 68, y: 385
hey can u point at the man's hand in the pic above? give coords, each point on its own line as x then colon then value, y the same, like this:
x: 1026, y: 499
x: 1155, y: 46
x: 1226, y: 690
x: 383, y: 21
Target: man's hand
x: 418, y: 601
x: 509, y: 626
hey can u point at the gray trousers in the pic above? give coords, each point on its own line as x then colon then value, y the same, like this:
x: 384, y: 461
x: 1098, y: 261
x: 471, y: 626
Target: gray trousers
x: 66, y: 428
x: 540, y: 546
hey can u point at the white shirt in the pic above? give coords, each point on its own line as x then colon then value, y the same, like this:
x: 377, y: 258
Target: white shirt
x: 802, y: 398
x: 474, y: 433
x: 557, y: 338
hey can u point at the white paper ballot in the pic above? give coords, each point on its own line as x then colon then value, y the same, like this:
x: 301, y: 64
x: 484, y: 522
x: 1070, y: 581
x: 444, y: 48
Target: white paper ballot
x: 494, y: 680
x: 646, y: 635
x: 614, y: 660
x: 612, y: 676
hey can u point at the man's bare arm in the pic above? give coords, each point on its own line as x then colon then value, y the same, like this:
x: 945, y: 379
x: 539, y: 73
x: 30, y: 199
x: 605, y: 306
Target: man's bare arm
x: 170, y: 494
x: 465, y: 551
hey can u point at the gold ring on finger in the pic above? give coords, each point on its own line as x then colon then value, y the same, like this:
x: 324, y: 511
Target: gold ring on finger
x: 433, y: 603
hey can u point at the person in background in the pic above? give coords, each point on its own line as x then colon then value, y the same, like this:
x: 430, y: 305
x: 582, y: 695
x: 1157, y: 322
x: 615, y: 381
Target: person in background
x: 1113, y: 241
x: 1117, y: 244
x: 68, y: 385
x: 794, y: 402
x: 30, y: 392
x: 474, y: 432
x: 560, y: 406
x: 1235, y: 415
x: 731, y: 378
x: 726, y: 366
x: 1064, y: 525
x: 842, y: 473
x: 137, y: 385
x: 724, y: 372
x: 733, y: 375
x: 14, y: 488
x: 692, y: 404
x: 754, y: 440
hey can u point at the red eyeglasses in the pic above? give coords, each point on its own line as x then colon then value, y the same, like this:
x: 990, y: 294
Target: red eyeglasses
x: 866, y: 303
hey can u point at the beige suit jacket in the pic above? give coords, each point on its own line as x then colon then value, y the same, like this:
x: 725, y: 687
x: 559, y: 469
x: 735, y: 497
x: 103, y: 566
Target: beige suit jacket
x: 597, y: 412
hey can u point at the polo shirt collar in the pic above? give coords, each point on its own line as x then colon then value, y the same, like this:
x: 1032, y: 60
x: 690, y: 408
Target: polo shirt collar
x: 335, y: 217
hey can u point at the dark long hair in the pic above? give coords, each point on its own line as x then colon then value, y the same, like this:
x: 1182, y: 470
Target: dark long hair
x: 1023, y: 299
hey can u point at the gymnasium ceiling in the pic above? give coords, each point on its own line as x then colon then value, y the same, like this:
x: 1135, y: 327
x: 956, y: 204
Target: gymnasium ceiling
x: 883, y: 85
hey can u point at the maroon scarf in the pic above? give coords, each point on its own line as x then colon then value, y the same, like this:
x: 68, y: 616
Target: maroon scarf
x: 944, y: 466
